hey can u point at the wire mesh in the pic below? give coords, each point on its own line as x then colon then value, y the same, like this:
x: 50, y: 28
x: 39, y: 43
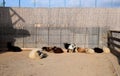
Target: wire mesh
x: 29, y: 27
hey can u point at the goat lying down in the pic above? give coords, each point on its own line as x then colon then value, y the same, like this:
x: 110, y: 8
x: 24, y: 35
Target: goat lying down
x: 13, y: 48
x: 37, y: 54
x: 70, y: 47
x: 84, y: 50
x: 98, y: 50
x: 47, y: 49
x: 102, y: 50
x: 73, y: 48
x: 53, y: 49
x: 106, y: 49
x: 80, y: 50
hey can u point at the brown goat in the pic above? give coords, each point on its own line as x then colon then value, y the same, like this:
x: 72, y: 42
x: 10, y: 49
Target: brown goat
x: 81, y: 50
x: 47, y: 49
x: 53, y: 49
x: 57, y: 50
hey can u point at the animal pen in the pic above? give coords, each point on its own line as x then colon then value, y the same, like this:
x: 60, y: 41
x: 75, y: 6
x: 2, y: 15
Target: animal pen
x: 38, y: 27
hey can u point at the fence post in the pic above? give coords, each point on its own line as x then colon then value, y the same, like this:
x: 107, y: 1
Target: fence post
x: 19, y: 3
x: 4, y: 3
x: 108, y: 41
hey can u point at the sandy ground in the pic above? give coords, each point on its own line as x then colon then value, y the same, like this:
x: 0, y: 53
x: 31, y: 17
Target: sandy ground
x: 66, y: 64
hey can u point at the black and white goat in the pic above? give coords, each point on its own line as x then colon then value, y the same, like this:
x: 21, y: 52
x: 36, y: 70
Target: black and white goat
x: 70, y: 47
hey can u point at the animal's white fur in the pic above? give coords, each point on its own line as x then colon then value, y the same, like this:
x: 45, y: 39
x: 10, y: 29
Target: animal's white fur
x: 89, y: 51
x: 71, y: 46
x: 106, y: 50
x: 33, y: 54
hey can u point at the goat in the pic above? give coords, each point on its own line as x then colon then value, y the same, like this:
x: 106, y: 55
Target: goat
x: 106, y: 49
x: 70, y: 47
x: 80, y: 50
x: 103, y: 50
x: 89, y: 51
x: 47, y: 49
x: 53, y: 49
x: 98, y: 50
x: 57, y: 50
x: 37, y: 54
x: 13, y: 48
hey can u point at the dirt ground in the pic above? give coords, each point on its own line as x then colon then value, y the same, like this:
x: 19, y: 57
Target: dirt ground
x: 66, y: 64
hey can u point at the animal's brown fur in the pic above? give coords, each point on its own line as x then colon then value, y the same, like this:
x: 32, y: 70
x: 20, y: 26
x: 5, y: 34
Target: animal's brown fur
x: 48, y: 49
x: 53, y: 49
x: 57, y: 50
x: 81, y: 50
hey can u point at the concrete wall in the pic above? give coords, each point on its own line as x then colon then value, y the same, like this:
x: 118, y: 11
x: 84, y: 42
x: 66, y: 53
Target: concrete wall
x: 37, y: 27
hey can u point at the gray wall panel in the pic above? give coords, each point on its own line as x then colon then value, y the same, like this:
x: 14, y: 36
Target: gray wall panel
x: 37, y: 27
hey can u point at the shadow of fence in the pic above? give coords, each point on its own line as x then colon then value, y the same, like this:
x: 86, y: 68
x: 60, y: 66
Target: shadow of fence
x: 8, y: 33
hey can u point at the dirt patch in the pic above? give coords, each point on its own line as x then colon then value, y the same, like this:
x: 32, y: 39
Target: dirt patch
x: 66, y: 64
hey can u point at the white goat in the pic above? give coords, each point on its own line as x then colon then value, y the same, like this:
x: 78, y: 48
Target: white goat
x: 37, y: 54
x: 89, y: 51
x: 106, y: 50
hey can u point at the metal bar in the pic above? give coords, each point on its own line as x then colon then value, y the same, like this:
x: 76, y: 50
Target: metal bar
x: 95, y: 3
x: 64, y: 3
x: 80, y: 3
x: 4, y: 3
x: 98, y: 36
x: 49, y: 3
x: 19, y: 3
x: 34, y: 3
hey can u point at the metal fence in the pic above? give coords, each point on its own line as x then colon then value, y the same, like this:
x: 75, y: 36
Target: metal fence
x: 35, y: 37
x: 60, y: 3
x: 37, y: 27
x: 57, y: 36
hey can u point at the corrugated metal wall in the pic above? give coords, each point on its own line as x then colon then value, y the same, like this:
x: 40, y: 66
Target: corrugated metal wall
x: 37, y: 27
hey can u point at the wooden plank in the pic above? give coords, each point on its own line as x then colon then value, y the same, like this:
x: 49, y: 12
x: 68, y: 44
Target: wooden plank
x: 113, y: 38
x: 114, y: 31
x: 112, y: 43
